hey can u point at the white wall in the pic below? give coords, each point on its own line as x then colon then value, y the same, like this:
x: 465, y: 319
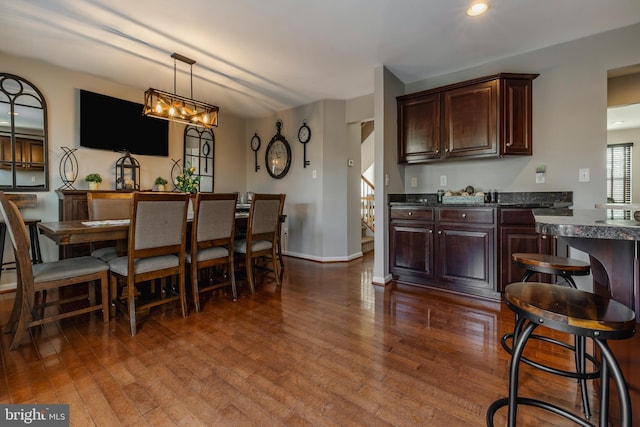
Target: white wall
x: 60, y: 89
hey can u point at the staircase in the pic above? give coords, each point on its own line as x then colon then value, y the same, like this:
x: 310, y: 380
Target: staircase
x: 367, y: 214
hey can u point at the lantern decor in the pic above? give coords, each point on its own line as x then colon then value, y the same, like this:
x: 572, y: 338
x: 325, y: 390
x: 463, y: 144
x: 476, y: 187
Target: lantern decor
x: 127, y: 173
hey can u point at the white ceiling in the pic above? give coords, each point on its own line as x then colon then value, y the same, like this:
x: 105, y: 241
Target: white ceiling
x: 257, y: 57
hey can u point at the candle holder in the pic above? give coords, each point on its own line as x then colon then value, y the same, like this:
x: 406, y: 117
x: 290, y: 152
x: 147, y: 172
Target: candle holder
x: 68, y: 168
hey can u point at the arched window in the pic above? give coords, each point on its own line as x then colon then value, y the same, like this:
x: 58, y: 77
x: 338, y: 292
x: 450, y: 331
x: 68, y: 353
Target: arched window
x: 23, y: 136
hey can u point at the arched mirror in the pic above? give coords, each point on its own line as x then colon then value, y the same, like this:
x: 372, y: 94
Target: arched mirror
x: 199, y: 152
x: 23, y: 136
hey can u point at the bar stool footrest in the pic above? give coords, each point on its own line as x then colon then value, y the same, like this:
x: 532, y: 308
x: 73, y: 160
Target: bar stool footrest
x: 500, y: 403
x: 568, y: 374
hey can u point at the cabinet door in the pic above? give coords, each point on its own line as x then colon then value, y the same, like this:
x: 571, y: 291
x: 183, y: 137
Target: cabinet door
x: 516, y: 117
x: 470, y: 120
x: 521, y: 239
x: 411, y: 248
x: 419, y: 129
x: 466, y: 255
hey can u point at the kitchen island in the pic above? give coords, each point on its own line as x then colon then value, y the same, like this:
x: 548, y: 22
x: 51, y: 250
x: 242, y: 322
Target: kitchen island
x: 613, y: 248
x: 612, y: 244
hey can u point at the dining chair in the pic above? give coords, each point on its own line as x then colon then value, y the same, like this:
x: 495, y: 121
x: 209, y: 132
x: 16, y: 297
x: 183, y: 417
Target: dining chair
x: 47, y: 276
x: 262, y: 235
x: 103, y: 206
x: 212, y: 233
x: 155, y: 250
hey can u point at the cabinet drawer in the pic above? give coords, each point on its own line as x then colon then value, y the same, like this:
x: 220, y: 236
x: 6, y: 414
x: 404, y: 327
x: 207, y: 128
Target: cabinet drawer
x: 412, y: 212
x: 474, y: 216
x: 516, y: 217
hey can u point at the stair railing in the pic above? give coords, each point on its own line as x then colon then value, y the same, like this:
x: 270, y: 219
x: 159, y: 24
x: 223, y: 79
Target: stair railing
x: 367, y: 203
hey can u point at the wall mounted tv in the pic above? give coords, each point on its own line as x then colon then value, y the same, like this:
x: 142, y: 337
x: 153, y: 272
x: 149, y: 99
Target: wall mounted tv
x: 114, y: 124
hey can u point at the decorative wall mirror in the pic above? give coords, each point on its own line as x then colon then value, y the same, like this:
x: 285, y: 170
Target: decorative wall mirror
x: 23, y: 136
x: 199, y: 152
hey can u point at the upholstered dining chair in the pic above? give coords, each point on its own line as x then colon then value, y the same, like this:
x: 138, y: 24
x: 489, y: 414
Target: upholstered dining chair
x: 262, y: 235
x: 156, y: 250
x: 212, y: 233
x: 108, y: 205
x: 47, y: 276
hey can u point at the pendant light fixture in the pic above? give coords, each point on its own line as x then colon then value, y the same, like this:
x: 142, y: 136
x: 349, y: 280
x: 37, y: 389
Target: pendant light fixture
x: 176, y: 108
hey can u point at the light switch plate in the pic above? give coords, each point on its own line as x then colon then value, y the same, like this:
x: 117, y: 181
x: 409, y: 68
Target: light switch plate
x: 414, y: 182
x: 443, y: 179
x: 584, y: 175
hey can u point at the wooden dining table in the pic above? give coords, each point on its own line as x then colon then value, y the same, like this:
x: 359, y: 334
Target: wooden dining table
x: 85, y: 231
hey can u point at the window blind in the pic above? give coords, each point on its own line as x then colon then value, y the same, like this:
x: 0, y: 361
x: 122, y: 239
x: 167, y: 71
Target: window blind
x: 619, y: 174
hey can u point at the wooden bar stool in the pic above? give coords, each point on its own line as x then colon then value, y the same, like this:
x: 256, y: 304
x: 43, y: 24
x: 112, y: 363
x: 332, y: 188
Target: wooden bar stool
x: 550, y: 264
x: 565, y: 268
x: 575, y: 312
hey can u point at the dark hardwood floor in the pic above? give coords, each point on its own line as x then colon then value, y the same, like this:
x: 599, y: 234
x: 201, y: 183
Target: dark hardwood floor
x: 327, y: 348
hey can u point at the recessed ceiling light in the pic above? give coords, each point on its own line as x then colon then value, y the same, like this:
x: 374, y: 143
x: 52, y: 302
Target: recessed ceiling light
x: 619, y: 122
x: 478, y: 8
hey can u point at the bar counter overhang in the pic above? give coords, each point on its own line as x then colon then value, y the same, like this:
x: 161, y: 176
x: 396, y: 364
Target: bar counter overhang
x: 612, y: 245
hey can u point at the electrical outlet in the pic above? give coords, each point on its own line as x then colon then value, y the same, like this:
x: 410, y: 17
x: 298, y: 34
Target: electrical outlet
x: 583, y: 175
x: 443, y: 179
x: 414, y: 182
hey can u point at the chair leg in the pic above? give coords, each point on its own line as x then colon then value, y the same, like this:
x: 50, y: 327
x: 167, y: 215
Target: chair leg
x: 232, y: 277
x: 104, y: 292
x: 183, y: 294
x: 194, y: 287
x: 15, y: 313
x: 249, y: 267
x: 131, y: 303
x: 274, y: 259
x: 113, y: 288
x: 91, y: 291
x: 22, y: 323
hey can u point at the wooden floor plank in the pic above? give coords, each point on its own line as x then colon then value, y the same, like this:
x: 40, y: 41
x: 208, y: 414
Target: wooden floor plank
x: 327, y: 348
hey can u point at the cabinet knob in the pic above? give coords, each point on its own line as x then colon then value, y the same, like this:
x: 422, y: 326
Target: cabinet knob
x: 509, y: 144
x: 446, y: 150
x: 464, y: 215
x: 544, y: 236
x: 410, y: 213
x: 438, y: 151
x: 430, y: 231
x: 440, y: 232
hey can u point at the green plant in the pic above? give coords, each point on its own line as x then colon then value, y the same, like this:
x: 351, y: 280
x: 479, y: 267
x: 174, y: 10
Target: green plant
x: 93, y: 177
x: 161, y: 181
x: 187, y: 182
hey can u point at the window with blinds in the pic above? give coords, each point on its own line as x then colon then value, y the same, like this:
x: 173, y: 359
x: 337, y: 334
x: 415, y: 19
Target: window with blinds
x: 619, y: 175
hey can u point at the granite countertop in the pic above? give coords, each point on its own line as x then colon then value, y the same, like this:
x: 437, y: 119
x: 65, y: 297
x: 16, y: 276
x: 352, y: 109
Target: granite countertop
x: 556, y: 199
x: 586, y: 223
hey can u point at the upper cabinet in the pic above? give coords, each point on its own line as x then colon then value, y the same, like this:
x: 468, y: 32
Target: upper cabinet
x: 485, y: 117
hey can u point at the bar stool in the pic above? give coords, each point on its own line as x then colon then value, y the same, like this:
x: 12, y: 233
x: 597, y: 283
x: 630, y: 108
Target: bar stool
x: 565, y: 268
x: 575, y: 312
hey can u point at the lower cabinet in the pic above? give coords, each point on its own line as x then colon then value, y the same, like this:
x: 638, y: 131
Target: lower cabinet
x: 518, y: 234
x: 446, y: 248
x: 465, y: 250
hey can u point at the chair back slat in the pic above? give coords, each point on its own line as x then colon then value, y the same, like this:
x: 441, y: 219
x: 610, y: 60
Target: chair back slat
x: 265, y: 215
x: 214, y: 216
x: 109, y: 205
x: 159, y: 221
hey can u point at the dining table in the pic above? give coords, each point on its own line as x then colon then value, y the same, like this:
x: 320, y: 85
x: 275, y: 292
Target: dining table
x: 85, y: 231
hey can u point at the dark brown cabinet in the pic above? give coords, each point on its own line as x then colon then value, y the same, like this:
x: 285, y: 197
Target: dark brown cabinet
x: 447, y: 248
x: 518, y: 234
x: 485, y: 117
x: 419, y: 128
x: 411, y: 242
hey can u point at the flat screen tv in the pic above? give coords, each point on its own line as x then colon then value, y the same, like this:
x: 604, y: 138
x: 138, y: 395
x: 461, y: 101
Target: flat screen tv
x: 114, y: 124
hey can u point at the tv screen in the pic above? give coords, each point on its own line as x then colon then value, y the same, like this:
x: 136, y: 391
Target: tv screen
x: 114, y: 124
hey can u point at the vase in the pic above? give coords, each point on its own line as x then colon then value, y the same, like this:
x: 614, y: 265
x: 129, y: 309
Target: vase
x: 160, y: 187
x: 93, y: 185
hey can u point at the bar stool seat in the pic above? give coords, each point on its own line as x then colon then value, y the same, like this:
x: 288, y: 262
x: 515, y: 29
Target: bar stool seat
x: 575, y: 312
x: 551, y: 264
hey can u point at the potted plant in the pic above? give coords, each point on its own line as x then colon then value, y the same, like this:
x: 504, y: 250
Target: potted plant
x: 160, y: 183
x: 93, y: 179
